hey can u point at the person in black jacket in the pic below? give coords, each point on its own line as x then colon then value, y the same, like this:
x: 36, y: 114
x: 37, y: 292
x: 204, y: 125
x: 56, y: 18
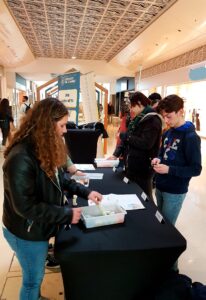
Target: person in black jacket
x: 34, y: 185
x: 6, y: 120
x: 141, y: 142
x: 155, y: 99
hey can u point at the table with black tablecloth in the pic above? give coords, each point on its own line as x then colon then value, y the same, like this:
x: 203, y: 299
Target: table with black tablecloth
x: 82, y: 145
x: 117, y: 262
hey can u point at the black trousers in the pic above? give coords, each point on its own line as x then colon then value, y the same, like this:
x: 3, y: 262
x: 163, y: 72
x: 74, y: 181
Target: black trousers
x: 5, y: 131
x: 145, y: 182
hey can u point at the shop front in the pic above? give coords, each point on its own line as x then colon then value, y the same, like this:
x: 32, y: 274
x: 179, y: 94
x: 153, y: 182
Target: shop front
x: 194, y: 95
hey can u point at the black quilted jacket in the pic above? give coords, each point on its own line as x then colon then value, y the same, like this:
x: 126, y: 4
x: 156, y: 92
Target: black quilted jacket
x: 33, y: 203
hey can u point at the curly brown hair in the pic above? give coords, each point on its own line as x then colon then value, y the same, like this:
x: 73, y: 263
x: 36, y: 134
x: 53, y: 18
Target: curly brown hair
x: 39, y: 126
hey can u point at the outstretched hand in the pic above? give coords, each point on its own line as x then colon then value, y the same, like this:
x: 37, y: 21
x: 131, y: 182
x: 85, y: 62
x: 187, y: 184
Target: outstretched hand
x: 76, y: 215
x: 95, y: 197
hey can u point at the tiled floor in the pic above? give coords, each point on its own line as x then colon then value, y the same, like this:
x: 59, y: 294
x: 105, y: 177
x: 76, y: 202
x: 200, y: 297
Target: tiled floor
x: 191, y: 223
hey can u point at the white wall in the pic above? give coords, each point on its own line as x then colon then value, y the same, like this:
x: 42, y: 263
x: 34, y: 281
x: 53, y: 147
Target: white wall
x: 167, y: 78
x: 175, y: 77
x: 10, y: 80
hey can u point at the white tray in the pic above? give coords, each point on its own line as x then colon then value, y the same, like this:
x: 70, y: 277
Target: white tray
x: 106, y: 163
x: 92, y: 216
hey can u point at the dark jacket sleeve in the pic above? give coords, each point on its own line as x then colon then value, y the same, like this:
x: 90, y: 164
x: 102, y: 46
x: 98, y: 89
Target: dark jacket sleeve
x: 146, y: 139
x: 120, y: 149
x: 192, y: 150
x: 76, y: 188
x: 21, y: 188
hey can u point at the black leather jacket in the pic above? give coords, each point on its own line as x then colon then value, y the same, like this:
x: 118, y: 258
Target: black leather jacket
x: 33, y: 203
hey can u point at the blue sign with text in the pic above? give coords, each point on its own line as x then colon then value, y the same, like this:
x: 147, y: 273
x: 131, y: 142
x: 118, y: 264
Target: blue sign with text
x: 69, y: 88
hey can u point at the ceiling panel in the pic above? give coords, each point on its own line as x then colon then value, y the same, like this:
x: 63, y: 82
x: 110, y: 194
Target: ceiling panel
x: 86, y: 29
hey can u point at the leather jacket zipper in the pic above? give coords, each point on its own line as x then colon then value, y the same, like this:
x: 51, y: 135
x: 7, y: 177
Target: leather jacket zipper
x: 29, y: 227
x: 58, y: 187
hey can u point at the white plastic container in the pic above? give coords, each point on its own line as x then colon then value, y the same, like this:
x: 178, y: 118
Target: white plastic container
x: 95, y: 216
x: 106, y: 163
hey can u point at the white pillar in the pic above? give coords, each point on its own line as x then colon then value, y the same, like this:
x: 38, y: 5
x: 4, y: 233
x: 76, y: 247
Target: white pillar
x: 89, y: 102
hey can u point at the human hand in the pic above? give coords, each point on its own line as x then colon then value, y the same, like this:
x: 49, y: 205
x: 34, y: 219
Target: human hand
x: 95, y: 197
x: 80, y: 173
x: 112, y: 157
x: 76, y: 215
x: 155, y: 161
x: 161, y: 168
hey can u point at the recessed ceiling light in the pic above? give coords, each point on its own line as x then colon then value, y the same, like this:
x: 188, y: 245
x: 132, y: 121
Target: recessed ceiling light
x: 73, y: 57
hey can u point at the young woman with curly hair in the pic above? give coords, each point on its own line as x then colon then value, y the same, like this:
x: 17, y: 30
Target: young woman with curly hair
x: 33, y: 190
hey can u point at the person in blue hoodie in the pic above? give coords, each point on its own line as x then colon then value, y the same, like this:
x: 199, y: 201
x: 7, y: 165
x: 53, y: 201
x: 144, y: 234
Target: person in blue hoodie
x: 179, y: 158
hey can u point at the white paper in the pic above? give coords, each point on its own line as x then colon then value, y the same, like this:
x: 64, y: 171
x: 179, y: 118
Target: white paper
x: 84, y: 167
x: 98, y: 176
x: 127, y: 201
x: 144, y: 196
x: 159, y: 216
x: 125, y: 179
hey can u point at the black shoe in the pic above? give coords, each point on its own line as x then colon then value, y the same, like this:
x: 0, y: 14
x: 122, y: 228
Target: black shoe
x: 51, y: 262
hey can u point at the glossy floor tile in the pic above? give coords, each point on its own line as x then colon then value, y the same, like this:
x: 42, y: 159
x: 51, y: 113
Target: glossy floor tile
x: 191, y: 223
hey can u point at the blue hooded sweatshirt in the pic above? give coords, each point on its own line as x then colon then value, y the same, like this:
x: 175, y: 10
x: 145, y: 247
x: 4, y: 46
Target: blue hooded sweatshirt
x: 180, y: 151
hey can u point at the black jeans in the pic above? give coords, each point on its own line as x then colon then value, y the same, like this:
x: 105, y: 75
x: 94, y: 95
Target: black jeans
x: 145, y: 182
x: 4, y: 125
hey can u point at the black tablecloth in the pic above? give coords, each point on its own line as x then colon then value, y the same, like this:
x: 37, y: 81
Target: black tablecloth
x: 82, y: 144
x: 117, y: 262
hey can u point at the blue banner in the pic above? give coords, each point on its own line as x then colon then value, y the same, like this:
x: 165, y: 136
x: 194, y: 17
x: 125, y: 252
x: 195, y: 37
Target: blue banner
x: 197, y: 74
x: 69, y: 88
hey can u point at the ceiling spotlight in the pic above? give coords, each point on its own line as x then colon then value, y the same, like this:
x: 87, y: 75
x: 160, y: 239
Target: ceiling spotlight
x: 73, y: 57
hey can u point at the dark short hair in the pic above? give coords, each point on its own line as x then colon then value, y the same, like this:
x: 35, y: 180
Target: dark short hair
x: 171, y: 103
x: 4, y: 106
x: 139, y: 97
x: 155, y: 96
x: 25, y: 97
